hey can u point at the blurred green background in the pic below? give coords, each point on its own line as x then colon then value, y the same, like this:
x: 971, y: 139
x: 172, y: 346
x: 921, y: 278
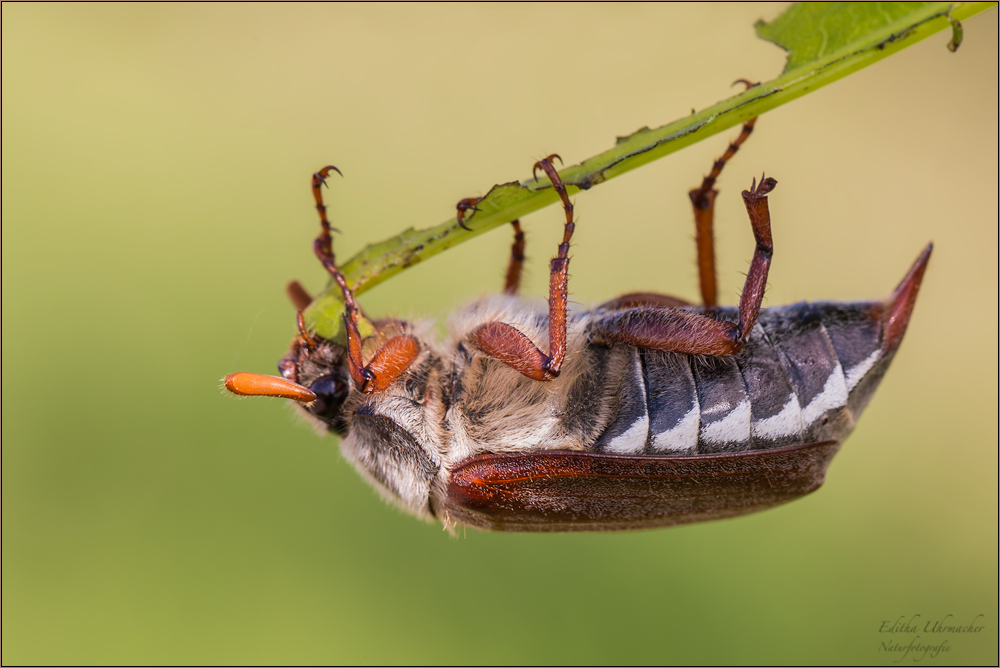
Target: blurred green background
x: 155, y: 201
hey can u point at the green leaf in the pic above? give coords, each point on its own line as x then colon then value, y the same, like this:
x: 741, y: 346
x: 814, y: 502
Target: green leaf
x: 818, y: 31
x: 825, y: 41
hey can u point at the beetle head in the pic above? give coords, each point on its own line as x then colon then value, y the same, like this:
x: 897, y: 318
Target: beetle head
x: 320, y: 366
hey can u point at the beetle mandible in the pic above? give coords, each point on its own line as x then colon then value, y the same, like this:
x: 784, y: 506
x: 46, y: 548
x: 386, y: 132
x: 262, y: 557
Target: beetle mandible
x: 646, y: 411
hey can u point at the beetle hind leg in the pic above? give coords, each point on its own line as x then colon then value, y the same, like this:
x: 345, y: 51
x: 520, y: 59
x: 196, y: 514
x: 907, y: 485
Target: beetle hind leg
x: 684, y: 331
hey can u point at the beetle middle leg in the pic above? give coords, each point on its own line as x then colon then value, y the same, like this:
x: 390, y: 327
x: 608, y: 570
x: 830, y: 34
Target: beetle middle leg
x: 683, y: 331
x: 512, y: 280
x: 395, y: 355
x: 509, y: 344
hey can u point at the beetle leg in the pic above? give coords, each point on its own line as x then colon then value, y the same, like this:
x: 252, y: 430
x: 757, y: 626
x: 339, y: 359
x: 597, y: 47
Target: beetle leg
x: 682, y: 331
x: 513, y: 348
x: 513, y: 279
x: 508, y: 344
x: 703, y: 203
x: 298, y: 295
x: 467, y: 204
x: 304, y: 336
x: 396, y: 354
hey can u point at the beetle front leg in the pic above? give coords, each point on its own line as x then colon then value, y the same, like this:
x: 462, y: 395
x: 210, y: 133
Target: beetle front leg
x: 396, y: 354
x: 682, y: 331
x: 507, y: 343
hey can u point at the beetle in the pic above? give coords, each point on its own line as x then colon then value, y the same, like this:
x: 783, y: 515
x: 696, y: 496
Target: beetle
x: 643, y: 412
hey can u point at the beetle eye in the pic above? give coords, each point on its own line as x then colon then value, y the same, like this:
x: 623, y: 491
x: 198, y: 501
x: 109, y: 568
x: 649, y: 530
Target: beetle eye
x: 331, y: 391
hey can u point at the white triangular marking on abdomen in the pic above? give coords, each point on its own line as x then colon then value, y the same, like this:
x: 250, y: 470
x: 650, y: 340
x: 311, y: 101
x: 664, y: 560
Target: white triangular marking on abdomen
x: 858, y: 371
x: 834, y: 395
x: 786, y: 422
x: 734, y: 428
x: 682, y: 436
x: 633, y: 441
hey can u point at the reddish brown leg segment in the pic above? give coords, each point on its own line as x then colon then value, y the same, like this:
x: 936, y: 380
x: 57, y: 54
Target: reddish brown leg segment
x: 463, y: 206
x: 298, y: 295
x: 507, y: 343
x: 513, y: 279
x: 703, y: 203
x: 396, y: 354
x: 690, y: 333
x: 755, y: 201
x: 304, y: 335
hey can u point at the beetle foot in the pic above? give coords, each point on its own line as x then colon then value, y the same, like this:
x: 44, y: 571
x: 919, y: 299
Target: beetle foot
x: 467, y: 204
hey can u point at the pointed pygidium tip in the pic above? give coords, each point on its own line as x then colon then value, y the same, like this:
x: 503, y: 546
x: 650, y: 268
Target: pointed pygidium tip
x: 899, y: 306
x: 258, y: 385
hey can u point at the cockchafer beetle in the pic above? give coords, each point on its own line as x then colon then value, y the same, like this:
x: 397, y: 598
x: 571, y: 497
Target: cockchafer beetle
x: 646, y: 411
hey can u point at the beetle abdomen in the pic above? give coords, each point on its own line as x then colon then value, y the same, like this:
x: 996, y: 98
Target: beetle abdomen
x: 804, y: 376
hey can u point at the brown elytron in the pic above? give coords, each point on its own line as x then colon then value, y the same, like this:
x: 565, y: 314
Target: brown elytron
x: 564, y: 491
